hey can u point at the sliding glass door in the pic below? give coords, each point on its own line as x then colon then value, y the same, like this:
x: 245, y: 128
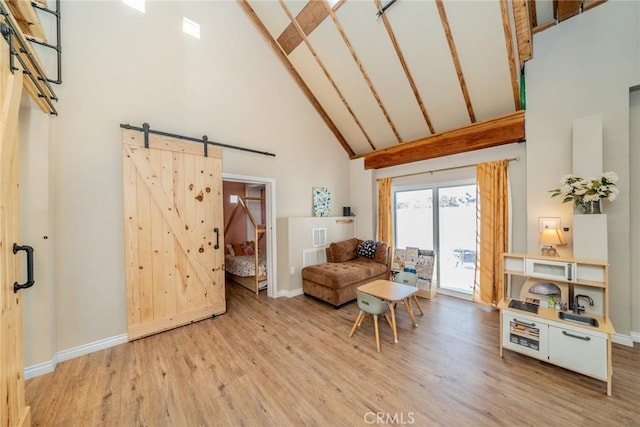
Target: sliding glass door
x: 448, y: 227
x: 457, y: 237
x: 414, y: 218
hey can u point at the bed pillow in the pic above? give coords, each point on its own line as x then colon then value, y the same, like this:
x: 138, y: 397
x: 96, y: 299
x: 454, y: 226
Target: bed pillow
x: 238, y: 249
x: 230, y: 250
x: 368, y: 249
x: 248, y: 248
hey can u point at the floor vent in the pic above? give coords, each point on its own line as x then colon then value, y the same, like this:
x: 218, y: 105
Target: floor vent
x: 313, y: 256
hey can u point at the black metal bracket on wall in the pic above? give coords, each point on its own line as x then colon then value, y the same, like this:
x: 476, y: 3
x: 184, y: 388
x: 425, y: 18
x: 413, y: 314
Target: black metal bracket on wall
x: 204, y: 140
x: 58, y: 46
x: 7, y: 34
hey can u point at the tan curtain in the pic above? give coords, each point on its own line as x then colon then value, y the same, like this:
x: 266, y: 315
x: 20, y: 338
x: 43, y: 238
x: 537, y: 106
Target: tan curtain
x: 493, y: 229
x: 385, y: 224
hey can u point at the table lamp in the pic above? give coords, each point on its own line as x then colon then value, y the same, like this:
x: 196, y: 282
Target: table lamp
x: 550, y: 237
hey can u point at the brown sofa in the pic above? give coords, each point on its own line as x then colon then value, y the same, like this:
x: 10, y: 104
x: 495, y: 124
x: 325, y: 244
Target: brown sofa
x: 336, y: 281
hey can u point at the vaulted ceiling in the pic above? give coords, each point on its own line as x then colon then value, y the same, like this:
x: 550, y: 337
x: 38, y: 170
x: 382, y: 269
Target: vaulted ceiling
x: 399, y: 81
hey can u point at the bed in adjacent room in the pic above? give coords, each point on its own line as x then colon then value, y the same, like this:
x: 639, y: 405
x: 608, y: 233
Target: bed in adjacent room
x: 241, y: 268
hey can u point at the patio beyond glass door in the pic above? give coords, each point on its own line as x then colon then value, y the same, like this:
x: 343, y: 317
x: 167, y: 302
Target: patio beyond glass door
x: 448, y: 227
x: 414, y: 219
x: 457, y: 237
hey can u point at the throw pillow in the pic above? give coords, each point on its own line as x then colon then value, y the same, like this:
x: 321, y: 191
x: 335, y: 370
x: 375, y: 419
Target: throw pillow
x: 368, y: 249
x: 230, y: 250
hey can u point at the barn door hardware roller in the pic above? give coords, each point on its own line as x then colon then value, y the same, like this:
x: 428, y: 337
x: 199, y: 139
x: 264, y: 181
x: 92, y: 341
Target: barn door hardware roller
x: 30, y: 281
x: 146, y: 129
x: 7, y: 33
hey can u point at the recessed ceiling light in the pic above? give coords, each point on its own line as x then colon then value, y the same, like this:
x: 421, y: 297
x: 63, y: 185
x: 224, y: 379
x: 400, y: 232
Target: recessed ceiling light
x: 135, y: 4
x: 191, y: 27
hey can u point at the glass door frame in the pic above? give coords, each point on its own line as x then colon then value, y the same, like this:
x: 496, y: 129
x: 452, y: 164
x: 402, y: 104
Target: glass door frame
x: 434, y: 187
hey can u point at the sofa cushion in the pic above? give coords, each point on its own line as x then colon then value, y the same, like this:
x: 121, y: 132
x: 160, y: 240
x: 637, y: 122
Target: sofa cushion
x: 338, y: 275
x: 368, y: 249
x: 344, y: 251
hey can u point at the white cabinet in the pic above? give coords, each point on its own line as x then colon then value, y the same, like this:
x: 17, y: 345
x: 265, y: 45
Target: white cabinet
x: 579, y: 351
x: 543, y: 335
x: 525, y: 335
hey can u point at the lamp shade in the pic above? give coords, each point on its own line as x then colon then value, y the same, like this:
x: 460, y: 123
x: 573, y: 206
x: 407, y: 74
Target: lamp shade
x: 552, y: 236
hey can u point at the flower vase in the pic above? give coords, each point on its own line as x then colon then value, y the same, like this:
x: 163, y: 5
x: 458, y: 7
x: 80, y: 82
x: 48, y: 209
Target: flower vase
x: 593, y: 207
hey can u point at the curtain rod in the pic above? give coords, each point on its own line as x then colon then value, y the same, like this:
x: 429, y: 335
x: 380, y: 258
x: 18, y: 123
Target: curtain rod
x: 513, y: 159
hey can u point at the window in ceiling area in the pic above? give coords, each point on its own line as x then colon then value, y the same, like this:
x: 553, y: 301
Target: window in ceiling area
x: 332, y: 3
x: 191, y: 27
x: 135, y: 4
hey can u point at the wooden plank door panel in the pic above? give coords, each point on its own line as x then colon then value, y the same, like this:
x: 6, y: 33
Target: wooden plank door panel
x: 13, y: 410
x: 173, y: 202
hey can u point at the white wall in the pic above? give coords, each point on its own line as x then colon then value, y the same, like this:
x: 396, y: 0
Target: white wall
x: 295, y: 235
x: 122, y: 66
x: 581, y: 67
x: 38, y: 302
x: 634, y: 150
x: 364, y: 205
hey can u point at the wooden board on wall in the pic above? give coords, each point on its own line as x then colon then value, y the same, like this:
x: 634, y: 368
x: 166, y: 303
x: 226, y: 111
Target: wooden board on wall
x: 173, y: 203
x: 13, y: 410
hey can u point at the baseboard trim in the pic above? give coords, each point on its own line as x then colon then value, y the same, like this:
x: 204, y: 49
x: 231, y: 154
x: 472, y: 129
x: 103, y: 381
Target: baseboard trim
x: 623, y: 339
x: 635, y: 336
x: 290, y: 294
x: 72, y: 353
x: 39, y: 369
x: 81, y: 350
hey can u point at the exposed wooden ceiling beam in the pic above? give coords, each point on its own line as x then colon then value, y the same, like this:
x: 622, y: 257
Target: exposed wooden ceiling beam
x: 405, y: 67
x: 364, y: 73
x: 533, y: 14
x: 508, y: 38
x: 456, y: 59
x: 489, y: 133
x: 523, y: 30
x: 326, y: 72
x: 567, y: 8
x: 253, y: 17
x: 309, y: 18
x: 588, y: 4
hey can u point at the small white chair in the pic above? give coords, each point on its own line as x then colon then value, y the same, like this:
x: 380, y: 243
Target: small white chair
x: 368, y: 304
x: 409, y: 279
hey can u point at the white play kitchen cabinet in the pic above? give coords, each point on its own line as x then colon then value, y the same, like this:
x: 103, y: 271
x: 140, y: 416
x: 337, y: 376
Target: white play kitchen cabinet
x: 529, y: 326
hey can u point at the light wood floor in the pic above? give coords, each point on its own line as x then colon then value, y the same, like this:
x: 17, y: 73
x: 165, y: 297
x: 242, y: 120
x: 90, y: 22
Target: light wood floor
x: 289, y: 362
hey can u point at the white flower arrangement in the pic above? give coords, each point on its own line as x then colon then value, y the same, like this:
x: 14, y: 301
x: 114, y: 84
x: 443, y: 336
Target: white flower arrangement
x: 583, y: 190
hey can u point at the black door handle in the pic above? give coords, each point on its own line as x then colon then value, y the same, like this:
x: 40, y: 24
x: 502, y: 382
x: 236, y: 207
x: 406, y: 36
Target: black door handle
x: 217, y: 231
x: 29, y: 283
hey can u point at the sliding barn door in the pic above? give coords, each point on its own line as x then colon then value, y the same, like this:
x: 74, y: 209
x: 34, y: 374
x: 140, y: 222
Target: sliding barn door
x: 173, y: 233
x: 13, y: 411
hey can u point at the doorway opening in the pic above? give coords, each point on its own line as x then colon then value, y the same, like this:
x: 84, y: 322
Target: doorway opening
x: 252, y: 189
